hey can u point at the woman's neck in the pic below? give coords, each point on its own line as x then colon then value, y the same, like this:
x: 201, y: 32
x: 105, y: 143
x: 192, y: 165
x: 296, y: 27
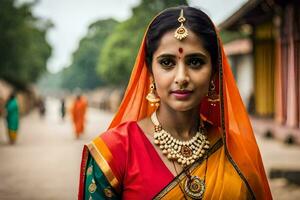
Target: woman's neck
x: 182, y: 125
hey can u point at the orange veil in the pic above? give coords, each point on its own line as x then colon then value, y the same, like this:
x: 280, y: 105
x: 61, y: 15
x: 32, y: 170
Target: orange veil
x: 230, y: 115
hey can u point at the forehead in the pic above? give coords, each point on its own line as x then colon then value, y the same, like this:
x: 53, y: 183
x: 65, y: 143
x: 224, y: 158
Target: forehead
x: 191, y: 44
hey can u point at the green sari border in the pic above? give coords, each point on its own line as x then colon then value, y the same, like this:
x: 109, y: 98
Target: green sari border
x: 100, y: 156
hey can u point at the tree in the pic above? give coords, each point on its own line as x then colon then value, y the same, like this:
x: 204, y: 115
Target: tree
x: 23, y: 47
x: 82, y: 71
x: 120, y: 49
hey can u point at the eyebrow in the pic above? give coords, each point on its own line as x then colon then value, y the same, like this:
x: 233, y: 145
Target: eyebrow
x: 202, y: 55
x: 198, y: 54
x: 166, y: 56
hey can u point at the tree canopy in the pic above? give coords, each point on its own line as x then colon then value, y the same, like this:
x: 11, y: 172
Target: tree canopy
x: 106, y: 54
x: 120, y: 49
x: 82, y: 71
x: 24, y: 50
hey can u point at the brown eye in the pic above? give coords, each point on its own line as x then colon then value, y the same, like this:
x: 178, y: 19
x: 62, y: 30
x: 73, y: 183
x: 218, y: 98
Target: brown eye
x: 195, y: 62
x: 167, y: 62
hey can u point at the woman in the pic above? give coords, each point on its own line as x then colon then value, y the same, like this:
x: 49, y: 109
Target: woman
x: 195, y: 141
x: 12, y: 117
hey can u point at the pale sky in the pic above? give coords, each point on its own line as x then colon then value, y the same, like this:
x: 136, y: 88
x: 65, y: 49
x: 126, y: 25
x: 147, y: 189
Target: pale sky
x: 71, y: 19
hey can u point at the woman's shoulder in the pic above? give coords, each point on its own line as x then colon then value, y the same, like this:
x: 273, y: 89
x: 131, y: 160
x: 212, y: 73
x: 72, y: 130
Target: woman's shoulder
x: 122, y: 130
x: 119, y: 136
x: 112, y: 146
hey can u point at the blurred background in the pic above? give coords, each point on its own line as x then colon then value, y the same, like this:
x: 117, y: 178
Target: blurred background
x: 52, y: 51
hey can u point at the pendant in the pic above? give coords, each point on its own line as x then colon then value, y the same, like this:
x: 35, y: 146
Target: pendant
x: 186, y: 151
x: 194, y: 187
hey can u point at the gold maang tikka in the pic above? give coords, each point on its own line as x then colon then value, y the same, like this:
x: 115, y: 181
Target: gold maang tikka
x: 181, y: 32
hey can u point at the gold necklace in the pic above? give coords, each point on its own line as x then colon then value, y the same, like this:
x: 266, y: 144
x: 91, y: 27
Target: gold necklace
x: 183, y: 152
x: 193, y: 187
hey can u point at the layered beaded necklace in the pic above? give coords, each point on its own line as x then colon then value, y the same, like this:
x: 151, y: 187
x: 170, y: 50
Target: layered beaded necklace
x: 183, y: 152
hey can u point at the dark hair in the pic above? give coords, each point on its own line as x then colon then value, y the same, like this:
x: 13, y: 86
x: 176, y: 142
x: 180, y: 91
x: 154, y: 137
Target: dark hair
x: 12, y: 95
x: 196, y: 21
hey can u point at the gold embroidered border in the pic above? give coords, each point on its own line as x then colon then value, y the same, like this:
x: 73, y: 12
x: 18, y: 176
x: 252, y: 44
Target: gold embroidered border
x: 102, y: 156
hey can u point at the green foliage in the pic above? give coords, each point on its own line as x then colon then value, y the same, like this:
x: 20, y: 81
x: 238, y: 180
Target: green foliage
x: 23, y: 48
x: 120, y: 49
x: 82, y: 72
x: 228, y: 36
x: 119, y: 52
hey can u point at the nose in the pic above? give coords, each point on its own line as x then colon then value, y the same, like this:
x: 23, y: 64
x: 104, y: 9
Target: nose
x: 182, y: 78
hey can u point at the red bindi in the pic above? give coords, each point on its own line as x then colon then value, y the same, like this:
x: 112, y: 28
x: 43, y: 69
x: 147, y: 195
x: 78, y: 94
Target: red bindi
x: 180, y: 50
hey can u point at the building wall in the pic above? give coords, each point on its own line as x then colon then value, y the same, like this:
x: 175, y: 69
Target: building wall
x: 245, y: 77
x: 242, y: 67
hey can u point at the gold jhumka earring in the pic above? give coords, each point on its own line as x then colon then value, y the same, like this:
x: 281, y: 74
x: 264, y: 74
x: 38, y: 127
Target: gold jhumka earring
x: 213, y: 96
x: 152, y: 96
x: 181, y: 32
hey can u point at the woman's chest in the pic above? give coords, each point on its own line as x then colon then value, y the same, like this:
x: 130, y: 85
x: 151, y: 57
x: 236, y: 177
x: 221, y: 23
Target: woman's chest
x: 145, y: 176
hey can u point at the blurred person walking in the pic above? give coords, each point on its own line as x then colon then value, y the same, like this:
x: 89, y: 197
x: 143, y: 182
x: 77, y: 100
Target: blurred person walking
x: 12, y: 117
x: 62, y: 108
x: 42, y: 107
x: 78, y: 114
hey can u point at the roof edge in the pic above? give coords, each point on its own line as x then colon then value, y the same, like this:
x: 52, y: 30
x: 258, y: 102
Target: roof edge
x: 238, y: 14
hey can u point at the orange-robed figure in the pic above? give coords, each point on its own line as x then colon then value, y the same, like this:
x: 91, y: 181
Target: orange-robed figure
x: 78, y: 114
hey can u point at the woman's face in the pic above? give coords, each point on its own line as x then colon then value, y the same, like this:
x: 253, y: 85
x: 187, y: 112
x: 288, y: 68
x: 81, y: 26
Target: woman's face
x: 181, y: 71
